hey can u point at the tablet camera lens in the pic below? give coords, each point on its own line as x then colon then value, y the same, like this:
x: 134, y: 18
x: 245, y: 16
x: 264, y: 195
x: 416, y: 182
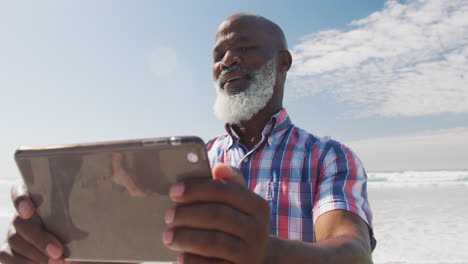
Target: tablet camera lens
x: 192, y: 157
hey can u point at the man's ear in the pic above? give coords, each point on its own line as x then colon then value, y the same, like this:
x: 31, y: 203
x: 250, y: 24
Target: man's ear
x: 285, y: 60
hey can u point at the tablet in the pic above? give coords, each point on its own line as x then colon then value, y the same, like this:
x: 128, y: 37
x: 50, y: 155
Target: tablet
x: 106, y: 201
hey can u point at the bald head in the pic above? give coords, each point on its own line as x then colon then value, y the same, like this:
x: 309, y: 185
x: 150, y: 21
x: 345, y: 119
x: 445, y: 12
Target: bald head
x: 260, y: 24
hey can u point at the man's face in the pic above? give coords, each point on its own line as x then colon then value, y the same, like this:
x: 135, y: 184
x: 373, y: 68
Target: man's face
x: 240, y: 48
x: 244, y: 71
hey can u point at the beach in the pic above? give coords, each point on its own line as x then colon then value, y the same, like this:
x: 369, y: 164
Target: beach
x: 420, y: 224
x: 415, y: 221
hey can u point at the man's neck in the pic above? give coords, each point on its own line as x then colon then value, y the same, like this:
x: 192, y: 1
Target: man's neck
x: 250, y: 132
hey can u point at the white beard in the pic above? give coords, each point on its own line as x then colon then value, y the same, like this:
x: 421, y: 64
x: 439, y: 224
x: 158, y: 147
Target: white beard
x: 242, y: 106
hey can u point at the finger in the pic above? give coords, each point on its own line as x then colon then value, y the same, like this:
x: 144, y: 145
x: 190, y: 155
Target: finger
x: 7, y: 256
x: 229, y: 193
x: 34, y: 234
x: 228, y: 173
x: 217, y: 217
x: 188, y: 258
x: 20, y: 246
x: 210, y: 244
x: 22, y: 201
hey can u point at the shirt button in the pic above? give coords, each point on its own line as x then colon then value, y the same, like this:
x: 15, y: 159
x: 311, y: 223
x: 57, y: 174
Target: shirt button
x: 270, y: 140
x: 246, y: 160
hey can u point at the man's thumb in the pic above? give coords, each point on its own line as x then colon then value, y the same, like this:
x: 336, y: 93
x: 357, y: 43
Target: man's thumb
x: 227, y: 173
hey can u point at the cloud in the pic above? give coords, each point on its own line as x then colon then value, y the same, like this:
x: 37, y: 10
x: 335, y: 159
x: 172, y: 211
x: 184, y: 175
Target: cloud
x: 429, y: 150
x: 408, y: 59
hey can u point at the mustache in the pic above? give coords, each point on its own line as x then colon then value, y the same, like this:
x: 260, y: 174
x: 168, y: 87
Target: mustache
x: 232, y: 68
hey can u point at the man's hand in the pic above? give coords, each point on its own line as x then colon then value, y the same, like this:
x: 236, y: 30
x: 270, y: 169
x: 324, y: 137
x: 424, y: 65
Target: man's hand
x: 219, y: 221
x: 27, y: 241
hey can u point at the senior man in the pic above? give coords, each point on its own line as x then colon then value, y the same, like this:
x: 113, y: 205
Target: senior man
x: 286, y: 197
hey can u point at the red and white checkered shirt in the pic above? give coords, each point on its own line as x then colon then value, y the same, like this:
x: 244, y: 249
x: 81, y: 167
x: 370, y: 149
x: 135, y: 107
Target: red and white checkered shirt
x: 300, y: 175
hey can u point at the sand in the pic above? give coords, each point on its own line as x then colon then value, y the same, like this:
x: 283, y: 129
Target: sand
x: 420, y: 224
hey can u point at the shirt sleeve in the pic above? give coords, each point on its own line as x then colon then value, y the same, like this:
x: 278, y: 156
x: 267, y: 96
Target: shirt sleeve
x: 342, y: 185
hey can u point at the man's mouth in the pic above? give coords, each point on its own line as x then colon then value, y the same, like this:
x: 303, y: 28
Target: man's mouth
x: 231, y: 80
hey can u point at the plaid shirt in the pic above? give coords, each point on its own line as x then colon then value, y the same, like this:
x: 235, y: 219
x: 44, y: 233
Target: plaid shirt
x: 300, y: 175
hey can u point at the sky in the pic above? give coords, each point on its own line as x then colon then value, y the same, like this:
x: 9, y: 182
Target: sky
x: 387, y: 78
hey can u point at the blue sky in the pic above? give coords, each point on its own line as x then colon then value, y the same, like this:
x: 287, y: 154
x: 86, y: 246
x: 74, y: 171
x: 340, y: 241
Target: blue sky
x: 388, y: 78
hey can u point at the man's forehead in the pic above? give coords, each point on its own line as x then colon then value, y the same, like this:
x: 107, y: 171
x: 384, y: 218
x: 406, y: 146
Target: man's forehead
x: 230, y: 37
x: 236, y: 30
x: 249, y: 27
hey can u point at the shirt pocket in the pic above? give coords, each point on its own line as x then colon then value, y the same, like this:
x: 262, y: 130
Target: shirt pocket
x: 290, y: 193
x: 291, y: 210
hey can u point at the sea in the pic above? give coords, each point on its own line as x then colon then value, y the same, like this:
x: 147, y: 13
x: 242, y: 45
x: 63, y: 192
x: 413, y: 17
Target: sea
x: 418, y: 178
x: 418, y: 216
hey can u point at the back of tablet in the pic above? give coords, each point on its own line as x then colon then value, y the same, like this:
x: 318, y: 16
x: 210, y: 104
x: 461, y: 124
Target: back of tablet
x: 106, y: 202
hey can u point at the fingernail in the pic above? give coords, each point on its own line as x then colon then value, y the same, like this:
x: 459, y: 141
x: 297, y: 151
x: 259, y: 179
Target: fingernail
x: 167, y: 237
x: 53, y: 251
x: 180, y: 259
x: 24, y: 208
x: 169, y: 217
x: 177, y: 190
x: 55, y: 261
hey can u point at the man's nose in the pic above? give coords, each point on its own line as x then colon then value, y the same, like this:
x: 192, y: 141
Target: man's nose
x: 230, y: 59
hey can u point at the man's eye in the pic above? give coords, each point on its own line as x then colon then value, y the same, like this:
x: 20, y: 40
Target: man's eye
x: 218, y: 57
x: 246, y: 48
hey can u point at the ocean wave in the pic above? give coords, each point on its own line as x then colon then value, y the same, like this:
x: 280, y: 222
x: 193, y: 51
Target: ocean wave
x: 396, y: 177
x: 420, y: 177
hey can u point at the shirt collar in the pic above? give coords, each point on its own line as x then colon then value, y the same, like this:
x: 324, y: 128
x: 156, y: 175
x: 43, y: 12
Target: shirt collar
x: 277, y: 125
